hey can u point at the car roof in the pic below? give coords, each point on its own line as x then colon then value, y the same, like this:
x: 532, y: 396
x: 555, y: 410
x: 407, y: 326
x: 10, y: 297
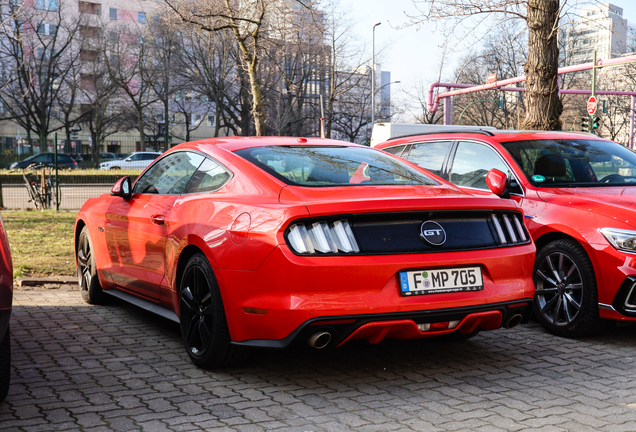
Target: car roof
x: 238, y: 143
x: 497, y: 135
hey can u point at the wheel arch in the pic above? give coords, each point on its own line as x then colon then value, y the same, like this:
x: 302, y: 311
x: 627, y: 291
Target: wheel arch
x: 188, y: 252
x: 79, y: 226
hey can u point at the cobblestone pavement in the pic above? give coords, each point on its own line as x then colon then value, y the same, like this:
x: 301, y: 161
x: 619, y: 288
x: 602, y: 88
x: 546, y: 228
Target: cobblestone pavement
x: 80, y: 367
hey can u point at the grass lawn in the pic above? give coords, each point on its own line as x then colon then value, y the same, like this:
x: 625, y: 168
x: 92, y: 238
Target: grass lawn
x: 41, y: 242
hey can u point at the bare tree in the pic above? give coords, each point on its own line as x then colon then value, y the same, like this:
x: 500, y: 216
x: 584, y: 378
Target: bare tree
x: 543, y: 107
x: 130, y: 62
x: 39, y: 49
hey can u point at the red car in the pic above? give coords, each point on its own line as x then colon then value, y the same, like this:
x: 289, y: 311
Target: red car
x: 578, y: 192
x: 262, y: 242
x: 6, y: 300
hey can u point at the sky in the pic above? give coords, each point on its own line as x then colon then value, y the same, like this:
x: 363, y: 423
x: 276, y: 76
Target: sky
x: 413, y: 54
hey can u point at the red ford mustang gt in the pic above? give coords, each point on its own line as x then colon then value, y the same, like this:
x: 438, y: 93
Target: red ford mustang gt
x: 262, y: 242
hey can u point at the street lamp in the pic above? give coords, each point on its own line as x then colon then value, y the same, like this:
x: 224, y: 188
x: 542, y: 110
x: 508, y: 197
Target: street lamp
x: 373, y: 76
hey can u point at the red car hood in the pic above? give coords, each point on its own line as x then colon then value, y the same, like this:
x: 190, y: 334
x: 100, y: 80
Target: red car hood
x: 365, y: 199
x: 606, y: 201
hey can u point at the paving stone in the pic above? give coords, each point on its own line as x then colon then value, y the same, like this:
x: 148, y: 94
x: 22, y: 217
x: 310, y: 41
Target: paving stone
x: 115, y: 368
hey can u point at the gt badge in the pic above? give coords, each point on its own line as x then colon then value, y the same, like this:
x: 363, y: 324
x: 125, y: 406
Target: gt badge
x: 432, y: 233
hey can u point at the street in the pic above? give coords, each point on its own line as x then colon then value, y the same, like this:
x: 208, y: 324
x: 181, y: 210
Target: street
x: 117, y: 368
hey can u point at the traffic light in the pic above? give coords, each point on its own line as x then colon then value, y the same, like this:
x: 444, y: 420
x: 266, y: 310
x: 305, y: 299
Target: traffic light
x: 594, y: 123
x: 604, y: 106
x: 501, y: 102
x: 585, y: 126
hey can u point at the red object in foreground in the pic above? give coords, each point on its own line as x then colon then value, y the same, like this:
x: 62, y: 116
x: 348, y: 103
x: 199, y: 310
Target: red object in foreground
x: 6, y: 301
x: 265, y: 242
x: 578, y: 192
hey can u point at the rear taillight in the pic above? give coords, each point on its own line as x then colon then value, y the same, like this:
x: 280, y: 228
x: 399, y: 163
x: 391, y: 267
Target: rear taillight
x: 323, y: 237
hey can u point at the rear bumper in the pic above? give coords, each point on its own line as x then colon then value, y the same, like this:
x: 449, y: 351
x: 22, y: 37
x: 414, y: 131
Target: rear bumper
x: 376, y: 327
x: 287, y: 291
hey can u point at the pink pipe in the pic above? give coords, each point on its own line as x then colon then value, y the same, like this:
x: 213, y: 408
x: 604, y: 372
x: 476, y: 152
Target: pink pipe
x: 469, y: 88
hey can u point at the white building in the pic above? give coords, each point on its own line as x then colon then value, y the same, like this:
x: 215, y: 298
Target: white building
x: 601, y: 28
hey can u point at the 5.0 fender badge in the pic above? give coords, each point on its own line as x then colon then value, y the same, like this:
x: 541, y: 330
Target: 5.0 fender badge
x: 432, y: 233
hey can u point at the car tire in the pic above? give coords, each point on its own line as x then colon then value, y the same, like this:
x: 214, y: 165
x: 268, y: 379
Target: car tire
x: 90, y: 287
x: 5, y: 364
x: 204, y: 328
x: 114, y: 168
x: 566, y: 297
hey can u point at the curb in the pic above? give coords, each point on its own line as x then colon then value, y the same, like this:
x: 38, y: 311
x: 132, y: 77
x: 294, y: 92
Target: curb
x: 40, y: 281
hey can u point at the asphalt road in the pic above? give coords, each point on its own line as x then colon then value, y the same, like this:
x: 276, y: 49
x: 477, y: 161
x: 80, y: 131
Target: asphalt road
x: 72, y: 197
x: 115, y: 368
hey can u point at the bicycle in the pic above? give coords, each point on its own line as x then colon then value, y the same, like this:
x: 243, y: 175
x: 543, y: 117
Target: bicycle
x: 40, y: 188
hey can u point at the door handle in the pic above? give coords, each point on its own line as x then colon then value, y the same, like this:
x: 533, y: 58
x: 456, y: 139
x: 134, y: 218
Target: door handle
x: 157, y: 219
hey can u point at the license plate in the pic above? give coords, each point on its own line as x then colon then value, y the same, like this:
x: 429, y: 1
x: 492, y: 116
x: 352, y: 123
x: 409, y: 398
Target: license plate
x: 440, y: 281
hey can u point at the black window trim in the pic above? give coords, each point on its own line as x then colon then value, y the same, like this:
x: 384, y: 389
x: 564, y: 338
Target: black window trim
x: 200, y: 153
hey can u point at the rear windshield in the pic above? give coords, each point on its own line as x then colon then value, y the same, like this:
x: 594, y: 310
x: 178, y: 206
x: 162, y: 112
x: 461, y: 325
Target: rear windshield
x: 333, y: 166
x: 574, y: 163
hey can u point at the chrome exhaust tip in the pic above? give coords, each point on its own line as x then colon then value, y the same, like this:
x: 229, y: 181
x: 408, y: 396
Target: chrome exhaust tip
x: 319, y: 340
x: 513, y: 321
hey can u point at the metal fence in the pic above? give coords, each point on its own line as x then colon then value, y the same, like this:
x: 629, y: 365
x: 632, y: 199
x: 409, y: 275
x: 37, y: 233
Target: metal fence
x: 75, y: 187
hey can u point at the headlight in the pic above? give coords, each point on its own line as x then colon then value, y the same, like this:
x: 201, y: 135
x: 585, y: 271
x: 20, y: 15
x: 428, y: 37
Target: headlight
x: 622, y: 240
x: 13, y: 165
x: 322, y: 237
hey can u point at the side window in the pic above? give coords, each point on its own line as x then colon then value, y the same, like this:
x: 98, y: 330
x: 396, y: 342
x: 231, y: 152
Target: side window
x: 170, y: 175
x: 41, y: 158
x: 209, y: 177
x: 395, y: 150
x: 471, y: 164
x: 430, y: 155
x: 149, y: 156
x: 134, y: 157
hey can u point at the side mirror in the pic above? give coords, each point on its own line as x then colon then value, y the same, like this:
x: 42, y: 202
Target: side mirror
x: 122, y: 188
x: 498, y: 183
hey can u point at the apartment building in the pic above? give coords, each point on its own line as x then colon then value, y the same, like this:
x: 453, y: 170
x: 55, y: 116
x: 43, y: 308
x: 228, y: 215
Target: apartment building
x: 600, y: 28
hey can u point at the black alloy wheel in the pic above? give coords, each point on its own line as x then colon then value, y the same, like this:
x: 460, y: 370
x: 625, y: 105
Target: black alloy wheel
x: 203, y: 325
x: 90, y: 287
x: 566, y: 298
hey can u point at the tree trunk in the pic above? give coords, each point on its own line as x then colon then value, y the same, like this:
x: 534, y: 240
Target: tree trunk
x: 142, y: 136
x: 543, y: 107
x: 257, y: 102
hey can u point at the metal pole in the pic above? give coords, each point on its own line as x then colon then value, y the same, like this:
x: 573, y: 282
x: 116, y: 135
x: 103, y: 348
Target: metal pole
x: 631, y: 123
x: 373, y: 77
x: 57, y: 179
x: 591, y: 122
x: 448, y: 110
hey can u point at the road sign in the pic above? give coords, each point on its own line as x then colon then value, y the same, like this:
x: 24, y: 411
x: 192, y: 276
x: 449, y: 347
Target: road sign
x: 591, y: 105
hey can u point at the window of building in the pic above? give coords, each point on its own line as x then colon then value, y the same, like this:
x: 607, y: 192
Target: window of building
x: 112, y: 13
x: 87, y: 32
x: 196, y: 119
x: 46, y: 29
x: 173, y: 118
x: 158, y: 115
x: 88, y: 55
x: 113, y: 37
x: 141, y: 17
x: 46, y: 4
x: 90, y: 8
x: 211, y: 121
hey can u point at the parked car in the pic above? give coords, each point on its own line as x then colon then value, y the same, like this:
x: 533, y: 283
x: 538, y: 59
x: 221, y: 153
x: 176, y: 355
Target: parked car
x: 6, y: 300
x: 137, y: 160
x: 64, y: 161
x: 578, y: 193
x: 263, y: 242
